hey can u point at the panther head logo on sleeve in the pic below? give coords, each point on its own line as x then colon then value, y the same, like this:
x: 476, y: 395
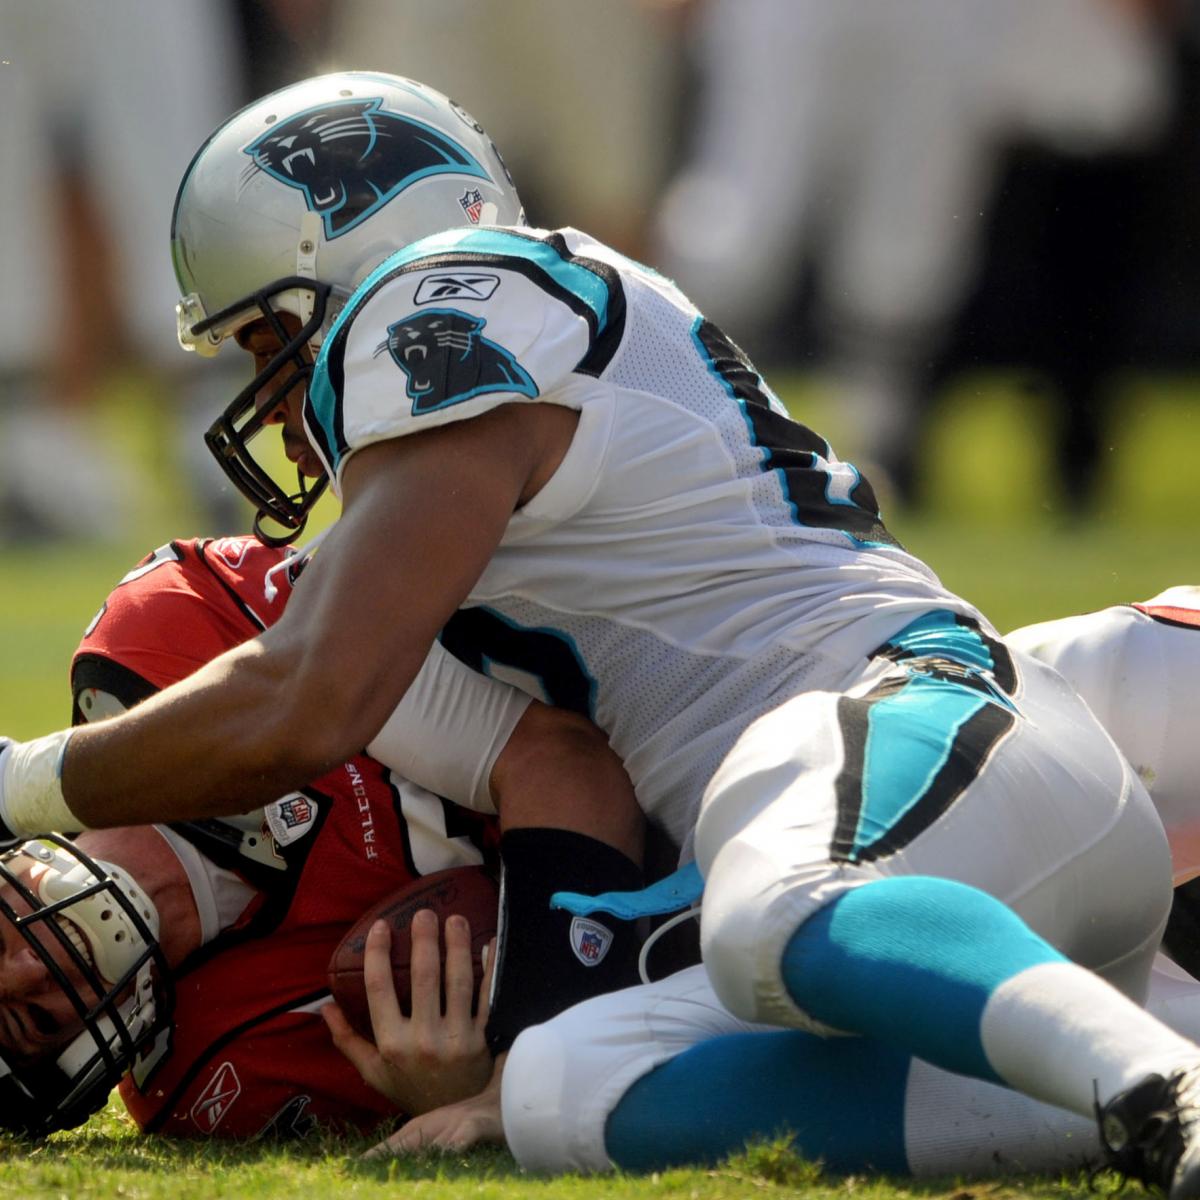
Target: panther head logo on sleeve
x: 446, y: 360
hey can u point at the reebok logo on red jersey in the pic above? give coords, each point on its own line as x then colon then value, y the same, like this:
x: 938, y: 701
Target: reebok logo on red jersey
x: 216, y: 1099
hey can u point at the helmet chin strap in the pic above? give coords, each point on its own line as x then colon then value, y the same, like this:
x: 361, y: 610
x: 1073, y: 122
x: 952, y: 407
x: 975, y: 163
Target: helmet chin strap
x: 112, y: 938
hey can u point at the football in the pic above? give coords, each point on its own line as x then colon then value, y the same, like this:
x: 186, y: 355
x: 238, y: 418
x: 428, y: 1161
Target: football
x: 468, y: 891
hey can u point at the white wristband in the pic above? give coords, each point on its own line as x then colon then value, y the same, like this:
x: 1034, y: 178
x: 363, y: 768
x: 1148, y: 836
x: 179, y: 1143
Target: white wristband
x: 31, y: 796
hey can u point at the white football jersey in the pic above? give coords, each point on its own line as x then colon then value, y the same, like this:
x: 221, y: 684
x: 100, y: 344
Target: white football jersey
x: 1138, y: 668
x: 697, y: 559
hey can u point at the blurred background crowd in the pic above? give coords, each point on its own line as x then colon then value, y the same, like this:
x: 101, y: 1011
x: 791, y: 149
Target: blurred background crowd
x: 877, y: 195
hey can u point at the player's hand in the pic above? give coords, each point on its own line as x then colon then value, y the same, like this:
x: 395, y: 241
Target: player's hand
x: 459, y: 1126
x: 438, y: 1055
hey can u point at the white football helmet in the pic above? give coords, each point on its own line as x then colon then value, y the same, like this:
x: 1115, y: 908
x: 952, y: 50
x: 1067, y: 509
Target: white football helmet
x: 291, y: 203
x: 88, y: 918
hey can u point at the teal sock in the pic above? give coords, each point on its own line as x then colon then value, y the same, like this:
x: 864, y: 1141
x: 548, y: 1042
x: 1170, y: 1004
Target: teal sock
x: 911, y: 962
x: 840, y: 1100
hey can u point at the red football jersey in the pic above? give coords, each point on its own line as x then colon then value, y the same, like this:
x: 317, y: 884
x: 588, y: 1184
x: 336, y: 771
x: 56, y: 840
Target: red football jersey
x: 249, y: 1053
x: 248, y: 1050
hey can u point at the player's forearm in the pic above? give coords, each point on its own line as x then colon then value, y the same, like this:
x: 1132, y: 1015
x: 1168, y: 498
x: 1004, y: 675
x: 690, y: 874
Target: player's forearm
x: 225, y: 740
x: 206, y: 749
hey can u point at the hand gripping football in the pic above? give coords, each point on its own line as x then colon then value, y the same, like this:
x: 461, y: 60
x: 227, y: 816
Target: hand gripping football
x: 468, y: 891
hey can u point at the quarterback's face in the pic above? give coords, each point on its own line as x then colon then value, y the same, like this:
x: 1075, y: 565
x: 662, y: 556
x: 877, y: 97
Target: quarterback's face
x: 260, y: 341
x: 36, y: 1016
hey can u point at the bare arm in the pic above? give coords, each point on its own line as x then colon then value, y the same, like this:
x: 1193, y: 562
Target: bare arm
x: 557, y: 770
x: 422, y: 517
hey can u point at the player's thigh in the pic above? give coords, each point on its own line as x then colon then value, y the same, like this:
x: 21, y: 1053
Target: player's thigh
x: 1058, y: 826
x: 1030, y: 802
x: 563, y: 1078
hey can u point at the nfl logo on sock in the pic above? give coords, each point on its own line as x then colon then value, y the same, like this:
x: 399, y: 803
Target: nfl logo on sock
x: 589, y: 940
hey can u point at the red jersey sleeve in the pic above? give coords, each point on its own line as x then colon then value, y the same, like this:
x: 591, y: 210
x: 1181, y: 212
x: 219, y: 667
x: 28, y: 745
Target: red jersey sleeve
x: 180, y: 607
x: 259, y: 1059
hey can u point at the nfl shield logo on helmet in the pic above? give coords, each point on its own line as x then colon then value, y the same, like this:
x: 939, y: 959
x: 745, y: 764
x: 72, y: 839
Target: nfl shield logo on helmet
x: 472, y: 204
x: 590, y: 940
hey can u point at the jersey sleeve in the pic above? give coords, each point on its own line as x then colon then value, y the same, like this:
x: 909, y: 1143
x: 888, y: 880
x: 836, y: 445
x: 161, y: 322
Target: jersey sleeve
x: 449, y: 729
x: 180, y: 607
x: 454, y: 326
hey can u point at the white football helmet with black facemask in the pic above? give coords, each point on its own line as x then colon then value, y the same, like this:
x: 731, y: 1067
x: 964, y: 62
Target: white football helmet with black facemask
x: 95, y: 932
x: 287, y: 208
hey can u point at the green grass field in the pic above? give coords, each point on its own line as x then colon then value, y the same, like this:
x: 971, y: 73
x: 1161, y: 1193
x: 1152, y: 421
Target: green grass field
x: 994, y: 529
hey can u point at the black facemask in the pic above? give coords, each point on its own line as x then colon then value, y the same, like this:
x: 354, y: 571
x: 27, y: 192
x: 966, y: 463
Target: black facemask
x: 229, y: 436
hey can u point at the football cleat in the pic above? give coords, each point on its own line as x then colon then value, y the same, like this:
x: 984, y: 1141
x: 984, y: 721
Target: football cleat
x: 1151, y: 1132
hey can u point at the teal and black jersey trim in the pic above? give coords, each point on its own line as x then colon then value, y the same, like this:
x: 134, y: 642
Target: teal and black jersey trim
x: 587, y: 287
x: 957, y: 643
x: 913, y: 744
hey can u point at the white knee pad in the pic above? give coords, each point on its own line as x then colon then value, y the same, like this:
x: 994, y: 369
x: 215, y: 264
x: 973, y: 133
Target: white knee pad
x: 564, y: 1078
x: 538, y: 1111
x: 762, y: 840
x: 753, y: 902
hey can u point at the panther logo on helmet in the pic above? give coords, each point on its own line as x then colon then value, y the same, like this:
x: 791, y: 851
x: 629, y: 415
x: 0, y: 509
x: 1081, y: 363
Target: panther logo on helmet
x: 446, y: 360
x: 349, y: 159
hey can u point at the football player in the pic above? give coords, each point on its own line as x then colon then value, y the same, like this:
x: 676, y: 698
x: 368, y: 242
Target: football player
x: 1136, y: 665
x: 194, y: 955
x: 905, y: 830
x: 572, y: 1084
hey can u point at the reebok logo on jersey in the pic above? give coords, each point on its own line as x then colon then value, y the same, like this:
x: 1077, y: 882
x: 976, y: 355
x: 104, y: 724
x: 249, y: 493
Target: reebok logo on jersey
x: 216, y: 1099
x: 590, y: 940
x: 231, y: 551
x: 459, y: 286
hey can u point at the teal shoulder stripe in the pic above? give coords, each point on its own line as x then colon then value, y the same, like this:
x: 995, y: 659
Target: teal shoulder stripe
x: 320, y: 407
x: 583, y: 287
x: 569, y: 275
